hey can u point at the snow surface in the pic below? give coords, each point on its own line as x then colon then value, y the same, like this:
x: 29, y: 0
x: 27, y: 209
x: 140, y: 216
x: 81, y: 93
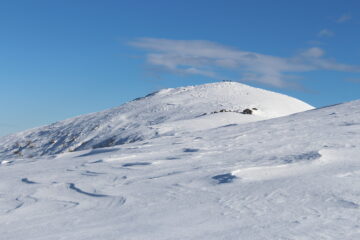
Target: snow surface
x: 167, y: 112
x: 294, y: 177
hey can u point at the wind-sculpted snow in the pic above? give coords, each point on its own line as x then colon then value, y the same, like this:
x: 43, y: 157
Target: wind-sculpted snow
x: 164, y: 113
x: 295, y: 177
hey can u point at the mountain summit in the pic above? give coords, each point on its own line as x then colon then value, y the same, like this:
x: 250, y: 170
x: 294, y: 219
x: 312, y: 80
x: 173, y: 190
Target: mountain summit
x: 166, y: 112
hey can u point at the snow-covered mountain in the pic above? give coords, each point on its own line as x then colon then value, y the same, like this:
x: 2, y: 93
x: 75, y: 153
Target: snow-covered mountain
x: 164, y: 113
x: 294, y: 177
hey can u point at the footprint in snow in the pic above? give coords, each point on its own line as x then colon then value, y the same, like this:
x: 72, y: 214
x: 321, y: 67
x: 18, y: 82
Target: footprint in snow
x: 189, y: 150
x: 78, y: 190
x: 136, y: 164
x: 25, y: 180
x: 97, y: 161
x: 308, y: 156
x: 91, y: 173
x: 224, y: 178
x: 101, y: 200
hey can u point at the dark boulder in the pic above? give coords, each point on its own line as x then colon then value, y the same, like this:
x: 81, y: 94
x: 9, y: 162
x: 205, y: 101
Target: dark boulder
x: 247, y: 111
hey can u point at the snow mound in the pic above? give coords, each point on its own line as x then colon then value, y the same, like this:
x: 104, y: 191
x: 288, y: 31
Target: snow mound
x: 167, y: 112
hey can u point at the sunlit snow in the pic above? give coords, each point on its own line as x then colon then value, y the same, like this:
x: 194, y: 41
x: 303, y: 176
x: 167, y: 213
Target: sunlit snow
x: 224, y: 175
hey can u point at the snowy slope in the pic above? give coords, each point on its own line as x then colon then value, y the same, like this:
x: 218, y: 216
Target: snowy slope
x: 294, y: 177
x: 167, y: 112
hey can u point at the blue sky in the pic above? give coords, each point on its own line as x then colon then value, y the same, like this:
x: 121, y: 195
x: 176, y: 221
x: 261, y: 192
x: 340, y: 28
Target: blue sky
x: 63, y: 58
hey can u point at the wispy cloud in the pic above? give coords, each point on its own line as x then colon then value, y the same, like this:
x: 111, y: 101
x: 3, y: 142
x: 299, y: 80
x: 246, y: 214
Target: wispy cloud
x: 326, y: 33
x: 196, y: 57
x: 344, y: 18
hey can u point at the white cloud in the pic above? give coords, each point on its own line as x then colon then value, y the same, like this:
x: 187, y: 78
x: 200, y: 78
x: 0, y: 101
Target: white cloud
x: 313, y: 52
x: 326, y: 33
x: 344, y: 18
x: 195, y: 57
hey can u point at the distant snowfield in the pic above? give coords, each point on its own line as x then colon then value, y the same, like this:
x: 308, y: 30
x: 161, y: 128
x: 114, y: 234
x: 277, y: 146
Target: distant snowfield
x: 293, y: 177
